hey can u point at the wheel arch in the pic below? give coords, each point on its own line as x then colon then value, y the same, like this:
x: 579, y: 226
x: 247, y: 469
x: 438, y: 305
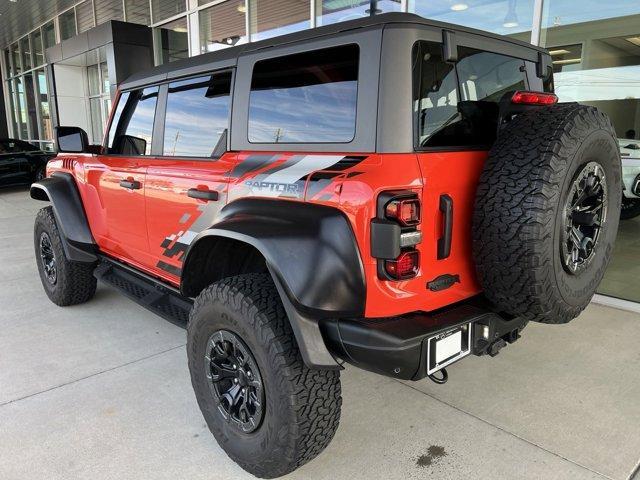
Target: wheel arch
x: 310, y: 252
x: 61, y: 191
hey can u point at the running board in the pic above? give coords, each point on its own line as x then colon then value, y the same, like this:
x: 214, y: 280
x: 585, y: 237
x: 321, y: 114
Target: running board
x: 152, y: 295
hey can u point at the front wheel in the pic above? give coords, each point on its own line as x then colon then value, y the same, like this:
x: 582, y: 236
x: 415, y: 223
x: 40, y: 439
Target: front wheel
x: 265, y: 407
x: 630, y: 208
x: 65, y: 282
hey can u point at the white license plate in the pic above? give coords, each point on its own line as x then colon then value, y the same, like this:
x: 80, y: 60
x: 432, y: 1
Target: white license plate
x: 448, y: 347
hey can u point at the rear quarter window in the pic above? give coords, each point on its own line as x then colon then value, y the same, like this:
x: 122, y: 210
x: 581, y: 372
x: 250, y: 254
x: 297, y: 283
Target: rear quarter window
x: 309, y: 97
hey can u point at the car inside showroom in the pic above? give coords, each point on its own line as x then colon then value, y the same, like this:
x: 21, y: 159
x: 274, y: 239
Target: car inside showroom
x: 316, y: 210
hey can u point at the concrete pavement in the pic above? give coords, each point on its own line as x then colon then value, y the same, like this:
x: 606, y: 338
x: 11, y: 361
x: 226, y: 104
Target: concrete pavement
x: 102, y: 391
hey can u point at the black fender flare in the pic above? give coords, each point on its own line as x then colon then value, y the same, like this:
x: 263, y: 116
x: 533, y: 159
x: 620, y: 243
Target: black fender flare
x: 60, y: 189
x: 312, y: 255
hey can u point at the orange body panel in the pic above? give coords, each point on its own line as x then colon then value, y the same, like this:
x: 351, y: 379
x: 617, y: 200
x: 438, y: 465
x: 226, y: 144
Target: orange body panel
x: 150, y: 228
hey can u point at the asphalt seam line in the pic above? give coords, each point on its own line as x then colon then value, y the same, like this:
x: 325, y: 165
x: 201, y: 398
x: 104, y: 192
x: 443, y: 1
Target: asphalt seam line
x: 71, y: 382
x: 508, y: 432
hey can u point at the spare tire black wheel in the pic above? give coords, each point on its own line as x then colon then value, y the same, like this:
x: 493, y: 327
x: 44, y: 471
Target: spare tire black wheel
x: 547, y: 211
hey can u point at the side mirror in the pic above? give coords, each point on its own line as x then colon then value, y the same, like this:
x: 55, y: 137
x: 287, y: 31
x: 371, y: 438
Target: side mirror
x: 71, y: 140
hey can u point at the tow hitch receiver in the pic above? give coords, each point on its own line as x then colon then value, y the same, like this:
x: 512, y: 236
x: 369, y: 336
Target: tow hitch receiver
x: 417, y: 345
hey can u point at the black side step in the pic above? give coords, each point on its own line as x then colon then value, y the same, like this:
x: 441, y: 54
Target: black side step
x: 154, y: 296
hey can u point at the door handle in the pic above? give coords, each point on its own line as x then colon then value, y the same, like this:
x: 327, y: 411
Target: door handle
x: 131, y: 184
x: 444, y: 242
x: 208, y: 195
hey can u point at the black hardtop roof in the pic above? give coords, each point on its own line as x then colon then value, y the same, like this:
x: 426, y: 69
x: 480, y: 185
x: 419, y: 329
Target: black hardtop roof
x: 228, y: 57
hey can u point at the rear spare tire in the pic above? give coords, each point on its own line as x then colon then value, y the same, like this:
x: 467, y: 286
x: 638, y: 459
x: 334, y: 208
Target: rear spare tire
x: 547, y: 211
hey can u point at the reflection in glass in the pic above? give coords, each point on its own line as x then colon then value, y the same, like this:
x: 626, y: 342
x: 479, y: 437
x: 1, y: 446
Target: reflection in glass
x: 17, y: 61
x: 36, y: 45
x: 163, y: 9
x: 32, y: 116
x: 27, y: 63
x: 505, y: 17
x: 596, y: 61
x: 46, y: 127
x: 84, y: 13
x: 333, y: 11
x: 306, y: 97
x: 270, y: 18
x: 67, y: 23
x: 171, y: 41
x: 197, y: 115
x: 124, y: 98
x: 137, y: 11
x: 134, y: 136
x: 93, y: 75
x: 222, y: 26
x: 6, y: 53
x: 49, y: 35
x: 108, y: 10
x: 21, y: 113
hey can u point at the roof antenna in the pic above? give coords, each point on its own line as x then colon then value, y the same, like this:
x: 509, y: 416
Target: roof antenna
x: 373, y: 8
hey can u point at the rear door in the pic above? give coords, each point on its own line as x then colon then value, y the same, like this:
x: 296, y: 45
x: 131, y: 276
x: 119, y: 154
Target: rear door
x: 456, y: 122
x: 187, y: 187
x: 116, y: 180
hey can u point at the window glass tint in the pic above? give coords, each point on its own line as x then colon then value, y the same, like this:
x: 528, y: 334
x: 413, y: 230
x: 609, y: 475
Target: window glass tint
x: 308, y: 97
x: 458, y: 106
x: 134, y: 125
x: 124, y: 97
x: 197, y: 115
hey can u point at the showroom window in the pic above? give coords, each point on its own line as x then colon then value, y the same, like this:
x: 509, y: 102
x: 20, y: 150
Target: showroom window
x: 164, y: 9
x: 305, y: 97
x: 596, y: 61
x: 84, y: 15
x: 171, y: 41
x: 270, y: 18
x: 333, y: 11
x: 67, y: 24
x: 197, y: 115
x: 222, y: 26
x: 134, y: 129
x: 137, y: 11
x: 506, y: 17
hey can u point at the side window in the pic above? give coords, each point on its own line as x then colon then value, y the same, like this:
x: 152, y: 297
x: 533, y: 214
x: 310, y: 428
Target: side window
x: 307, y: 97
x: 197, y: 115
x: 459, y: 106
x: 134, y: 127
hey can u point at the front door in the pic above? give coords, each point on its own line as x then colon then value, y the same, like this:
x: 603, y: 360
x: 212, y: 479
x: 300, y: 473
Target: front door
x: 186, y: 189
x: 118, y: 180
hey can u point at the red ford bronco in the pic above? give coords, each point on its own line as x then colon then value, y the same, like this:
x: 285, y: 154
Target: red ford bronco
x: 390, y: 192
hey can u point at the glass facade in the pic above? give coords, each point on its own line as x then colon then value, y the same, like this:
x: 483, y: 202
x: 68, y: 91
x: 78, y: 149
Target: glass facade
x: 595, y: 50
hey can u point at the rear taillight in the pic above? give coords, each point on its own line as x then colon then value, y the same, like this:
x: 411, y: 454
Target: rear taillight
x: 534, y: 98
x: 395, y: 234
x: 405, y: 211
x: 403, y: 267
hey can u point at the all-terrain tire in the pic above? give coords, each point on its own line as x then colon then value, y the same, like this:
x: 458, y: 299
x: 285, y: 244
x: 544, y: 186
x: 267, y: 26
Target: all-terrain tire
x: 522, y: 210
x: 73, y: 282
x: 302, y: 405
x: 630, y: 208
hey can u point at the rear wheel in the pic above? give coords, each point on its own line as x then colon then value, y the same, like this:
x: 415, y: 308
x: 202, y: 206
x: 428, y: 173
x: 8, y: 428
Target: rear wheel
x: 264, y: 406
x: 547, y: 211
x: 65, y: 282
x: 630, y: 208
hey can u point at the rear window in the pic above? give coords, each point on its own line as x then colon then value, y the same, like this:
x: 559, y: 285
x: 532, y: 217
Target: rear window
x: 308, y: 97
x: 456, y: 105
x: 197, y: 115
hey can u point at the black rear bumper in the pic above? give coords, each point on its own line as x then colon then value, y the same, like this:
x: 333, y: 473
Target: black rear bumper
x: 397, y: 346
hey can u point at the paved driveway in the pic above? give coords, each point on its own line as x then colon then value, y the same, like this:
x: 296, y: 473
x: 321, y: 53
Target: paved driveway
x: 101, y: 391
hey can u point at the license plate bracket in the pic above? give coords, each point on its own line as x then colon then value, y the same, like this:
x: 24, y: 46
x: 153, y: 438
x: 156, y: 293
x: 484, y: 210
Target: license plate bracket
x: 448, y: 347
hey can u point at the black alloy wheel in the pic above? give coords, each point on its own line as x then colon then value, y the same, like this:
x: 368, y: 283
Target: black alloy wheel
x: 48, y: 258
x: 585, y: 213
x: 235, y: 381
